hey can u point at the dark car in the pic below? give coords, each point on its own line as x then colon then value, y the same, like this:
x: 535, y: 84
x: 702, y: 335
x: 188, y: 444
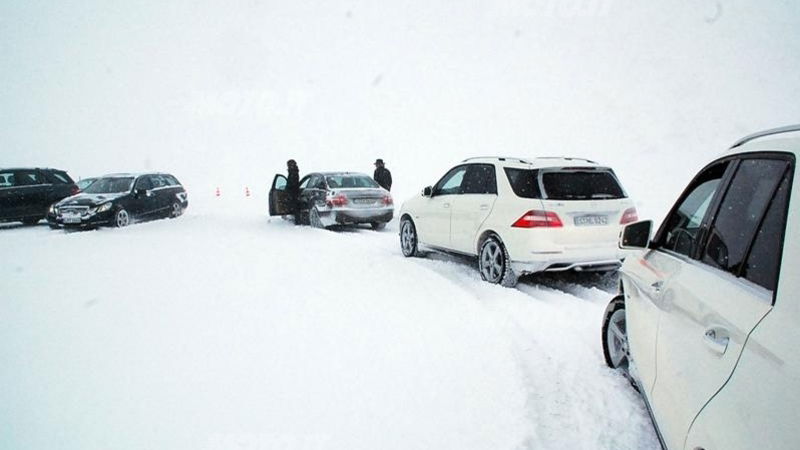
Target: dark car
x: 26, y: 193
x: 120, y: 199
x: 332, y: 198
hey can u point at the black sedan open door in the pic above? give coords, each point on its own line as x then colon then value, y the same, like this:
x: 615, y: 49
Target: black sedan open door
x: 279, y: 198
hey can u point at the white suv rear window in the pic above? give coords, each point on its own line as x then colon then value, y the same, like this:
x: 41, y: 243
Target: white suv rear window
x: 581, y: 185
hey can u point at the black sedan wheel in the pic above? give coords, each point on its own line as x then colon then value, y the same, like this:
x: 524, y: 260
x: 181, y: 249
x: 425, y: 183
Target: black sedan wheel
x: 122, y: 218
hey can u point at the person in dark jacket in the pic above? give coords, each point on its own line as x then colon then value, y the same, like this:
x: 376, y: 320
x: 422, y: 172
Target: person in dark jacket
x: 293, y: 189
x: 382, y: 175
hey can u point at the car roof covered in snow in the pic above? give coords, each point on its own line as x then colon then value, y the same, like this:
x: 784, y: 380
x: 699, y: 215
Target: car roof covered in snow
x: 535, y: 163
x: 339, y: 174
x: 128, y: 175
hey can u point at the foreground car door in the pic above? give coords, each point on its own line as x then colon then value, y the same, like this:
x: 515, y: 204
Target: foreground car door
x: 758, y: 407
x: 433, y: 219
x: 646, y: 276
x: 279, y: 198
x: 707, y: 311
x: 472, y: 206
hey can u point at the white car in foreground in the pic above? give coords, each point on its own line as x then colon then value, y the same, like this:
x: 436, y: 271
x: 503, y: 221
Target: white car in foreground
x: 707, y: 325
x: 521, y: 216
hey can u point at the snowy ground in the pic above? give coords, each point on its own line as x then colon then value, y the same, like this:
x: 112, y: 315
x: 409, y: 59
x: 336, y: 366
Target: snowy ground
x: 223, y: 329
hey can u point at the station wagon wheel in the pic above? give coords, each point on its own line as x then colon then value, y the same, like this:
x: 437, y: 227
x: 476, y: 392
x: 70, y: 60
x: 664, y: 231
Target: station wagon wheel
x: 408, y: 238
x: 122, y: 218
x: 494, y: 263
x: 176, y: 210
x: 313, y: 219
x: 615, y: 336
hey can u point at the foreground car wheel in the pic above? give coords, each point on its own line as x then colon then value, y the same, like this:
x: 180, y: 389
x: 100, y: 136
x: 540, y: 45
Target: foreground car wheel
x: 122, y: 218
x: 494, y: 263
x: 314, y: 220
x: 176, y: 210
x: 408, y: 238
x: 377, y: 226
x: 615, y: 337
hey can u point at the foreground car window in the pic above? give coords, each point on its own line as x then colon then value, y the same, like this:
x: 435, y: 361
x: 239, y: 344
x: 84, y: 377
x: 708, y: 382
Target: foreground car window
x: 581, y: 185
x: 524, y: 182
x: 763, y: 263
x: 110, y: 186
x: 682, y: 226
x: 741, y: 211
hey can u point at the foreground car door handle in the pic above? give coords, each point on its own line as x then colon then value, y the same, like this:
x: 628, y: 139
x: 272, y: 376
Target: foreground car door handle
x: 717, y: 339
x: 656, y: 287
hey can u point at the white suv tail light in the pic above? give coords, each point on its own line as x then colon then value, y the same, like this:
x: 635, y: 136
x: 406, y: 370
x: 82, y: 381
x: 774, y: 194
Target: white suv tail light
x: 630, y: 215
x: 537, y: 218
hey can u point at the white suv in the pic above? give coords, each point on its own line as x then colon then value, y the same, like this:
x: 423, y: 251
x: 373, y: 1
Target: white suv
x: 521, y: 216
x: 707, y: 325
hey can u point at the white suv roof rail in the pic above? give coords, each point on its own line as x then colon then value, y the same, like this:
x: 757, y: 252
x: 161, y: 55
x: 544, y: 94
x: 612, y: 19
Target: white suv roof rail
x: 501, y: 158
x: 770, y: 132
x: 568, y: 158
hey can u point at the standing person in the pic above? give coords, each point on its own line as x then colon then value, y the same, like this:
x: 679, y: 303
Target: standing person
x: 293, y: 189
x: 382, y: 175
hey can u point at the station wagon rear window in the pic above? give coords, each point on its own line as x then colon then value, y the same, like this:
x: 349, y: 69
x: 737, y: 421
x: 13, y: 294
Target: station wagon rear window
x: 581, y: 185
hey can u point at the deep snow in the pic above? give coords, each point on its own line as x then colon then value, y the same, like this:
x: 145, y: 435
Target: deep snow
x: 223, y: 329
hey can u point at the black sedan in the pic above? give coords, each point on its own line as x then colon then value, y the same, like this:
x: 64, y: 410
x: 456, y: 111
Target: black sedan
x: 121, y: 199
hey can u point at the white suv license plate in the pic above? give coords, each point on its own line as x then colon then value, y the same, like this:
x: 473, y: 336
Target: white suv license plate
x: 582, y: 221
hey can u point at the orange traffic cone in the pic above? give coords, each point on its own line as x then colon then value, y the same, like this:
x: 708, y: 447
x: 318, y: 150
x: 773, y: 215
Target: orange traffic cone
x: 246, y: 191
x: 217, y: 191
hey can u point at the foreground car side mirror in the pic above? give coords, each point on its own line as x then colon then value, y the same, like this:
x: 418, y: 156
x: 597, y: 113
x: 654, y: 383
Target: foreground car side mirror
x: 427, y: 192
x: 636, y: 235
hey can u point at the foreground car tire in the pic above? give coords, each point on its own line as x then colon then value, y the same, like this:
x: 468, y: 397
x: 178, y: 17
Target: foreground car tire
x: 408, y: 238
x: 494, y: 263
x: 615, y: 337
x: 121, y: 218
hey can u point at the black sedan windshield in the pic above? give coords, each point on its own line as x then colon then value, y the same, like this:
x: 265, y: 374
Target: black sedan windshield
x: 110, y: 186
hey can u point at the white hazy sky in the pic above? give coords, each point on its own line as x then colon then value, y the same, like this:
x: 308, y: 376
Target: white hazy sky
x: 222, y: 93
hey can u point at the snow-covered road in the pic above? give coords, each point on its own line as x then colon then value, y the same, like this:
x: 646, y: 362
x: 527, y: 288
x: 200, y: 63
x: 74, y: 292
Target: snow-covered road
x: 223, y: 329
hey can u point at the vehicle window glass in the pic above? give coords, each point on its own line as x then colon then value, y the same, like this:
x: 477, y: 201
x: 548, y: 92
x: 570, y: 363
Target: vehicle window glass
x: 110, y: 185
x: 156, y: 181
x: 581, y: 185
x: 28, y: 178
x: 451, y: 183
x: 172, y: 180
x: 524, y: 182
x: 740, y: 212
x: 144, y: 183
x: 682, y: 227
x: 58, y: 177
x: 479, y: 179
x: 304, y: 182
x: 314, y: 182
x: 350, y: 181
x: 7, y: 179
x: 280, y: 183
x: 763, y: 263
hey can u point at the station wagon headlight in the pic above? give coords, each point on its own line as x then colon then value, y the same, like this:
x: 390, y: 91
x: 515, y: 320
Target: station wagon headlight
x: 53, y: 209
x: 104, y: 207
